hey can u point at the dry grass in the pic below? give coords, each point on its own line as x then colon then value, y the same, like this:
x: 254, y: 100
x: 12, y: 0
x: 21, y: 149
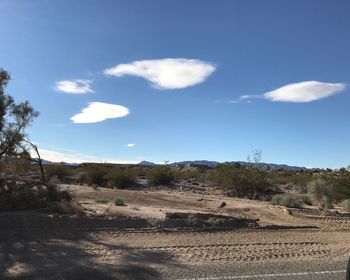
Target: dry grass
x: 70, y: 208
x: 114, y: 212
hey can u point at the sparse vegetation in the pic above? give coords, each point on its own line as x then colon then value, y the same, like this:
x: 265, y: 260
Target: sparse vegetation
x: 121, y: 178
x: 20, y: 187
x: 119, y: 201
x: 322, y: 193
x: 160, y: 176
x: 60, y: 171
x: 287, y: 200
x: 240, y: 181
x: 94, y: 175
x: 103, y: 201
x: 346, y: 205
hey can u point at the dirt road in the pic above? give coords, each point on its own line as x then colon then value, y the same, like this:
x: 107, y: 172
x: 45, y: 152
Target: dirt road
x: 239, y: 254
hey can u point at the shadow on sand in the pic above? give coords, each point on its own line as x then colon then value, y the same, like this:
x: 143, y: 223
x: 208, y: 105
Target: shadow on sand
x: 47, y: 256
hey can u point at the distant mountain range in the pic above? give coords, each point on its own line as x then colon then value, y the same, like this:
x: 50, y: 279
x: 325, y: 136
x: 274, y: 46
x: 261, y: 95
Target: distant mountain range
x: 213, y: 164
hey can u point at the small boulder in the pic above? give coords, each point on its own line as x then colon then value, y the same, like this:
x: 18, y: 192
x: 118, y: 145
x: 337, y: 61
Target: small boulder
x: 222, y: 204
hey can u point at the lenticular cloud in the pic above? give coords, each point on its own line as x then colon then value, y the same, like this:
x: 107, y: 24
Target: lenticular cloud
x: 75, y: 86
x: 98, y: 111
x: 304, y: 92
x: 168, y: 73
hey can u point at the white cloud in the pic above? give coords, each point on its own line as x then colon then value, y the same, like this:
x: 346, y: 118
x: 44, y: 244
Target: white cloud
x: 244, y: 99
x: 75, y: 86
x: 73, y: 157
x: 130, y: 145
x: 167, y: 73
x: 98, y: 111
x: 304, y: 92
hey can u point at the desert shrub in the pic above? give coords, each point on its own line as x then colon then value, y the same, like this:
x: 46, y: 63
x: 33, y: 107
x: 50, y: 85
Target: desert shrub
x: 67, y: 207
x: 341, y: 186
x: 321, y: 192
x: 306, y: 200
x: 59, y: 171
x: 114, y: 213
x: 140, y: 171
x: 298, y: 179
x: 240, y: 181
x: 188, y: 174
x: 121, y: 178
x: 286, y: 200
x: 15, y: 165
x: 160, y: 176
x: 119, y: 201
x: 94, y: 175
x: 17, y: 194
x: 103, y: 201
x: 346, y: 205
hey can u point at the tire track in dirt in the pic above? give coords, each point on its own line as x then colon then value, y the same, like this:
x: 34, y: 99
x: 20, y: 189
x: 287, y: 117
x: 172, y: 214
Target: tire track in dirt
x: 244, y: 252
x: 341, y: 222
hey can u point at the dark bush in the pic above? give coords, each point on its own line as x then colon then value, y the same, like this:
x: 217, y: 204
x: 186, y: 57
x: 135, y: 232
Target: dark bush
x: 240, y: 181
x: 346, y: 205
x: 299, y: 179
x: 119, y: 201
x: 94, y: 175
x: 160, y: 176
x: 17, y: 194
x: 286, y: 200
x: 60, y: 171
x: 322, y: 193
x: 121, y: 178
x: 341, y: 186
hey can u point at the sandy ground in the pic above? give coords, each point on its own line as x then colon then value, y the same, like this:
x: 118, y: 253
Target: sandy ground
x: 154, y: 204
x: 157, y: 254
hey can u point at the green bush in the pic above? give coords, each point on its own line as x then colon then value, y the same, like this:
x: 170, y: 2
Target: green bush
x: 160, y: 176
x: 346, y: 205
x: 119, y: 201
x: 306, y: 200
x: 341, y: 186
x: 300, y: 179
x: 58, y: 170
x: 286, y: 200
x: 240, y: 181
x: 322, y: 193
x: 188, y: 174
x: 121, y: 178
x: 16, y: 194
x: 94, y: 175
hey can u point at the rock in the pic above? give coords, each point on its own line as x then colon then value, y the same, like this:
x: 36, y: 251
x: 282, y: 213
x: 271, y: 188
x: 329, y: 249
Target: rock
x: 200, y: 199
x: 222, y: 205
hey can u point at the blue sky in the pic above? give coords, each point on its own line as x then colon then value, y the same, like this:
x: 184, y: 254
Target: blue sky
x: 183, y: 80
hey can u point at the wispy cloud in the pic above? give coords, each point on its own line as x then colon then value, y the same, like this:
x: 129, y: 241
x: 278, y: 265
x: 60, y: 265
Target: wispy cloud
x: 167, y: 73
x: 130, y: 145
x: 244, y: 99
x: 73, y: 157
x: 98, y: 111
x: 74, y: 86
x: 304, y: 92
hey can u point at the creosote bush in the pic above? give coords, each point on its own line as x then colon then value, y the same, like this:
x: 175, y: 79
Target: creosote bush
x: 119, y: 201
x: 322, y: 193
x: 59, y: 171
x: 240, y: 181
x: 93, y: 175
x: 346, y: 205
x: 120, y: 178
x: 160, y: 176
x: 104, y: 176
x: 286, y: 200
